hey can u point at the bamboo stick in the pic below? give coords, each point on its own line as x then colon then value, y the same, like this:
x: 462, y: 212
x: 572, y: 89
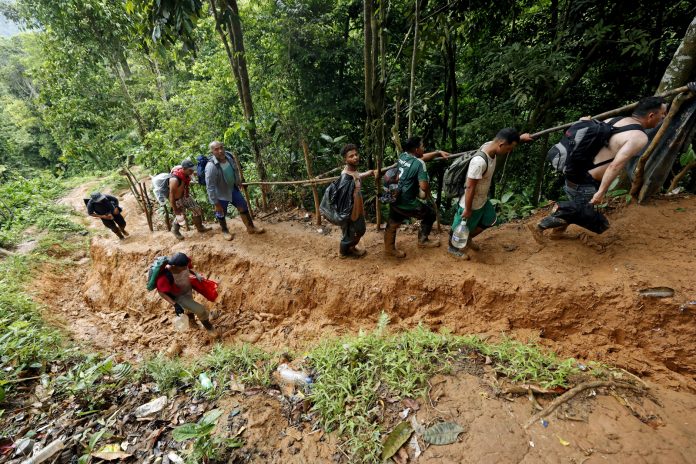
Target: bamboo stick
x: 315, y: 192
x: 245, y: 190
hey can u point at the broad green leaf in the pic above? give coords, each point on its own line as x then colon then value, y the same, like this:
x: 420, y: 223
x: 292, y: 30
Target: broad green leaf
x: 506, y: 197
x: 185, y: 432
x: 442, y: 433
x: 396, y: 439
x: 210, y: 417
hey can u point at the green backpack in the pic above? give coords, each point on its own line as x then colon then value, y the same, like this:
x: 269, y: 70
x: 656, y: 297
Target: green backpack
x: 154, y: 271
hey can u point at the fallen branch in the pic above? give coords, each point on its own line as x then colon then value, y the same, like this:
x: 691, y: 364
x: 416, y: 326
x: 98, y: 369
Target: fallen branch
x: 570, y: 394
x: 681, y: 174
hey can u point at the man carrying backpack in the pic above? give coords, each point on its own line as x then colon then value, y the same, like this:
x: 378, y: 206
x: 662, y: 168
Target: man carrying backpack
x: 589, y: 173
x: 413, y: 179
x: 181, y: 201
x: 474, y: 206
x: 349, y: 183
x: 174, y: 286
x: 222, y: 182
x: 106, y: 208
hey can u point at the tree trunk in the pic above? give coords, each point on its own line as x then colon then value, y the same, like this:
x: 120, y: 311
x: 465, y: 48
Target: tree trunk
x: 414, y: 55
x: 142, y: 131
x: 681, y: 68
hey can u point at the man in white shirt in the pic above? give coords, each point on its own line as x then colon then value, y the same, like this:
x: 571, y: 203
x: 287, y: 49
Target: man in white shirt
x: 474, y: 206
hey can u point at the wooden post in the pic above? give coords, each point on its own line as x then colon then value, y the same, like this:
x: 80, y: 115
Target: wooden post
x: 146, y: 206
x: 245, y: 189
x: 315, y: 191
x: 167, y: 221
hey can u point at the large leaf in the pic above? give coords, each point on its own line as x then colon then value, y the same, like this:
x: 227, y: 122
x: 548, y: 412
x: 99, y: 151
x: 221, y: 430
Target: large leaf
x: 442, y: 433
x: 185, y: 432
x: 210, y: 417
x: 396, y: 439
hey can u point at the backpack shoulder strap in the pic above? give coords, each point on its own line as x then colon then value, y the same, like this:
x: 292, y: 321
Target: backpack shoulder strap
x: 481, y: 154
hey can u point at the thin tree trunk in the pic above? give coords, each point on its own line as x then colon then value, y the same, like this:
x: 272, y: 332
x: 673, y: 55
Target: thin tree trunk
x: 414, y: 55
x: 142, y: 131
x: 683, y: 63
x: 310, y: 174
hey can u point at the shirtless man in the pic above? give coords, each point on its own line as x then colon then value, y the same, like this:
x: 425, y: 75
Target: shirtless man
x: 181, y: 201
x: 354, y: 228
x: 590, y: 186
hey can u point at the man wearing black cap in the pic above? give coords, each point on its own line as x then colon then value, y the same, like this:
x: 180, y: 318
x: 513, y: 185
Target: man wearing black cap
x: 174, y: 286
x: 181, y: 201
x: 106, y: 208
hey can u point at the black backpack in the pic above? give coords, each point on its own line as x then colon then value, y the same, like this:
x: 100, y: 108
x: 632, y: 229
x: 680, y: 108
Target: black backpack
x: 574, y: 154
x: 454, y: 180
x: 201, y: 163
x: 337, y: 203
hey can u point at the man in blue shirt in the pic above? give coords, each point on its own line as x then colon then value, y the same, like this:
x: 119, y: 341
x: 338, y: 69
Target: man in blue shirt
x: 222, y: 182
x: 414, y: 184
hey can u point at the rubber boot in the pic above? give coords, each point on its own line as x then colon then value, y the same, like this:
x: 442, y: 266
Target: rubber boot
x: 175, y: 231
x: 249, y: 223
x: 198, y: 222
x: 225, y: 231
x: 390, y: 241
x: 118, y: 234
x: 125, y: 233
x: 425, y: 242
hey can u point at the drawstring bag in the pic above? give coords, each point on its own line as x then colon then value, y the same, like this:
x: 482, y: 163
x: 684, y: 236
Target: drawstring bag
x: 206, y: 287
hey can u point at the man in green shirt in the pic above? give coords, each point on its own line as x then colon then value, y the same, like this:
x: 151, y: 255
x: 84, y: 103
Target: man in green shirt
x: 414, y: 184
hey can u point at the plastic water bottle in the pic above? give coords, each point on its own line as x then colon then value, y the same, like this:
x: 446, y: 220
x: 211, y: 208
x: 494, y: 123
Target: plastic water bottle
x: 460, y: 235
x: 293, y: 377
x: 180, y: 323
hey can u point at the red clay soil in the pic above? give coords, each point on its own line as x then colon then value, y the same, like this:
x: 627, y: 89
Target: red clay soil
x: 579, y: 297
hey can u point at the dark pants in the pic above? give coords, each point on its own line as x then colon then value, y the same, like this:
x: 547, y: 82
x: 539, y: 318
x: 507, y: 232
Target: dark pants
x: 352, y: 233
x: 237, y: 201
x: 116, y: 224
x: 424, y: 212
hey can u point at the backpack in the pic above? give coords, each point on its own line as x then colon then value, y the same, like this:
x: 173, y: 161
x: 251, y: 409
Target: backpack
x: 201, y: 163
x: 574, y: 154
x: 154, y: 271
x: 160, y: 187
x: 391, y: 186
x: 454, y: 180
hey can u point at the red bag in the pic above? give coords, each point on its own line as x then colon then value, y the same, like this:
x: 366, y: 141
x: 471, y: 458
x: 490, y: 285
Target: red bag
x: 206, y: 287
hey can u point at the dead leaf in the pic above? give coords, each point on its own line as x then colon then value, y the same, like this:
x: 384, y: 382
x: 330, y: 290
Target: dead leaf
x: 412, y: 404
x: 562, y: 441
x: 442, y: 433
x: 111, y: 452
x: 396, y: 439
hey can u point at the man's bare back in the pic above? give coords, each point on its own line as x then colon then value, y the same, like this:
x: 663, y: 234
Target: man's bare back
x: 631, y: 141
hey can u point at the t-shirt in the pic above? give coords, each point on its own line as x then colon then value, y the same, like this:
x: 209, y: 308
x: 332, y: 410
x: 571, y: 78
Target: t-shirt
x: 477, y: 166
x: 105, y: 206
x: 411, y: 172
x: 180, y: 286
x: 228, y: 173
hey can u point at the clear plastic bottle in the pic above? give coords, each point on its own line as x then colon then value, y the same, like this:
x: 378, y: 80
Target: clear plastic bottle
x: 293, y: 377
x: 460, y: 235
x: 180, y: 323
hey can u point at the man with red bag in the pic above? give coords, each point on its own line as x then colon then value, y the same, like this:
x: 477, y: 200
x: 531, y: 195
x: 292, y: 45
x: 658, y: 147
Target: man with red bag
x: 176, y: 283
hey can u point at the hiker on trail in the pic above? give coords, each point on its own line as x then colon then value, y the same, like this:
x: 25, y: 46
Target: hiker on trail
x: 223, y: 181
x: 106, y: 208
x: 413, y: 183
x: 586, y: 183
x: 181, y: 201
x: 174, y: 286
x: 354, y: 228
x: 474, y: 205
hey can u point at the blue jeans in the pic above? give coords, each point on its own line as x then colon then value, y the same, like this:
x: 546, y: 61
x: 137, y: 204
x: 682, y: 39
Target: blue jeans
x: 237, y: 201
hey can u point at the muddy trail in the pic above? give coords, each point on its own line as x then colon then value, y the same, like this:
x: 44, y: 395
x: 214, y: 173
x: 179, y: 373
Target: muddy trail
x: 287, y: 289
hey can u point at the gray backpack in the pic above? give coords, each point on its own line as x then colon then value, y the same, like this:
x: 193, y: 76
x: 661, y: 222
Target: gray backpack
x: 160, y: 187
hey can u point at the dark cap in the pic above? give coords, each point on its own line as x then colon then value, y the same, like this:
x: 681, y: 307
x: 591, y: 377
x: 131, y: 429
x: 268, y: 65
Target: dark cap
x: 179, y: 259
x: 187, y: 164
x: 97, y: 197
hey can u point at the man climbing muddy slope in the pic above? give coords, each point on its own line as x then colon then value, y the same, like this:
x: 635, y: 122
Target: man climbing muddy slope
x: 181, y: 201
x: 413, y: 179
x: 223, y: 181
x: 174, y: 286
x: 106, y: 208
x: 586, y: 182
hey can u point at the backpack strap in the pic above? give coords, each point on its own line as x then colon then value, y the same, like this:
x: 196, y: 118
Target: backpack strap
x: 617, y: 130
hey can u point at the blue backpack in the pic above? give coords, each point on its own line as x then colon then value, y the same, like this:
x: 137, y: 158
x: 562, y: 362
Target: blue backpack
x: 202, y: 162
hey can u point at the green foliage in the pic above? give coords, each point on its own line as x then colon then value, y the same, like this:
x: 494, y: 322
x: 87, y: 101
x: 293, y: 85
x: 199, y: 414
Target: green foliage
x: 206, y: 446
x: 169, y: 373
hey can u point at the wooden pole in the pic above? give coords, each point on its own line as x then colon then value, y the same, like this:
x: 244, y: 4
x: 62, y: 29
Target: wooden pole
x: 315, y: 191
x: 147, y: 210
x: 681, y: 174
x: 611, y: 113
x: 167, y: 221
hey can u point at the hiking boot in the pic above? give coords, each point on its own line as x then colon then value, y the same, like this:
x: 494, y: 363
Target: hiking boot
x: 552, y: 222
x: 537, y: 233
x: 225, y: 231
x: 200, y: 227
x: 352, y: 253
x: 175, y: 231
x: 125, y: 233
x: 119, y: 234
x: 249, y: 223
x: 456, y: 252
x: 390, y: 241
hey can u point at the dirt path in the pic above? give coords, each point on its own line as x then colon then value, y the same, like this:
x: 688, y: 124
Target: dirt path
x: 287, y: 288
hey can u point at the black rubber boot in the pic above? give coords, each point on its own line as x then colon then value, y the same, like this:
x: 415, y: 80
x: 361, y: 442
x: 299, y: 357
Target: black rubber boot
x: 225, y: 231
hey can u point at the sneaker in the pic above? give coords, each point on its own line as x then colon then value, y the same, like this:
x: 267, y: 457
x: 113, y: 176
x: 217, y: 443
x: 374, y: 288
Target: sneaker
x: 456, y: 252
